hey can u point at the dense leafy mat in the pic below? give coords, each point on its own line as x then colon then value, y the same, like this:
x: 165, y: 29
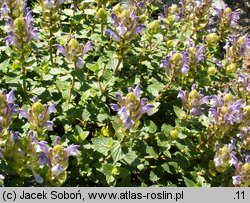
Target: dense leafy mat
x: 136, y: 93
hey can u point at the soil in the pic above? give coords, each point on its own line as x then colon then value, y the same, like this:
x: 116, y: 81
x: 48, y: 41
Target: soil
x: 243, y: 7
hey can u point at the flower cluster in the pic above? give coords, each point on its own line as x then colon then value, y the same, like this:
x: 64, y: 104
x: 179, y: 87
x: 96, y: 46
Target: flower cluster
x: 56, y: 159
x: 131, y: 107
x: 234, y: 53
x: 226, y: 19
x: 50, y: 13
x: 20, y: 32
x: 171, y: 14
x: 242, y: 177
x: 245, y: 138
x: 227, y: 113
x: 195, y: 53
x: 226, y: 110
x: 12, y: 8
x: 176, y: 64
x: 225, y: 156
x: 52, y: 5
x: 244, y: 87
x: 74, y: 52
x: 38, y: 117
x: 197, y: 13
x: 7, y: 108
x: 125, y: 25
x: 193, y: 101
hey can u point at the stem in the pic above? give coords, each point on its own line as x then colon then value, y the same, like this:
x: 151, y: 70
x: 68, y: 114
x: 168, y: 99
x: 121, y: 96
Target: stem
x: 117, y: 66
x: 72, y: 85
x: 50, y: 41
x: 24, y: 73
x: 102, y: 28
x: 71, y: 88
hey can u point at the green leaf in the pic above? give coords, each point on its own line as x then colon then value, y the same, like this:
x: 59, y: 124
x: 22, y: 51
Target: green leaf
x: 179, y: 112
x: 166, y: 129
x: 155, y: 88
x: 153, y: 177
x: 68, y: 12
x: 130, y: 157
x: 188, y: 182
x: 103, y: 145
x: 116, y: 151
x: 151, y: 151
x: 80, y: 135
x: 38, y: 90
x: 152, y: 127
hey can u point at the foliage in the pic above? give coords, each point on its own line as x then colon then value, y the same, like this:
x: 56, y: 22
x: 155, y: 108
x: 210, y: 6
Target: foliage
x: 102, y: 93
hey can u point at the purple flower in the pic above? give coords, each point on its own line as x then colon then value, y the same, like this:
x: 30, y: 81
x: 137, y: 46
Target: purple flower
x: 20, y: 31
x: 131, y: 107
x: 234, y: 19
x: 71, y: 150
x: 7, y: 109
x: 57, y: 169
x: 236, y: 180
x: 122, y: 30
x: 74, y: 52
x: 234, y: 113
x: 38, y: 115
x: 218, y: 161
x: 193, y: 101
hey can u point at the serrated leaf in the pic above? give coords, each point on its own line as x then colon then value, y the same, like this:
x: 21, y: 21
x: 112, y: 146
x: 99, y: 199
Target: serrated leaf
x: 116, y: 151
x: 38, y: 90
x: 68, y: 12
x: 153, y: 177
x: 130, y: 157
x: 80, y: 135
x: 156, y: 88
x: 103, y: 145
x: 179, y: 112
x: 188, y: 182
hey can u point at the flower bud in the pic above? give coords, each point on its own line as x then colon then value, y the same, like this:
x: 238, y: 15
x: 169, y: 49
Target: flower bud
x: 125, y: 14
x: 191, y: 17
x: 212, y: 38
x: 117, y: 8
x: 247, y: 110
x: 73, y: 44
x: 228, y: 97
x: 193, y: 94
x: 115, y: 171
x: 231, y: 68
x: 241, y: 41
x: 246, y: 168
x: 2, y: 102
x: 224, y: 109
x: 19, y: 24
x: 102, y: 14
x: 173, y: 9
x: 228, y: 11
x: 176, y: 58
x: 212, y: 70
x: 131, y: 99
x: 154, y: 27
x: 38, y: 109
x: 174, y: 134
x: 192, y: 50
x: 170, y: 43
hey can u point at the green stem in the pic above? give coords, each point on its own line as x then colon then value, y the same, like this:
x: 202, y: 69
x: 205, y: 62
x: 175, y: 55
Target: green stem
x: 102, y: 28
x: 72, y: 84
x: 24, y: 73
x: 117, y: 66
x: 50, y: 41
